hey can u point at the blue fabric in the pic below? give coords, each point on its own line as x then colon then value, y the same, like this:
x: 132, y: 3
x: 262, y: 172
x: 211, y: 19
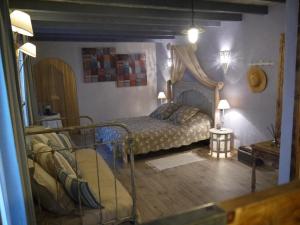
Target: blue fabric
x: 12, y: 196
x: 79, y: 190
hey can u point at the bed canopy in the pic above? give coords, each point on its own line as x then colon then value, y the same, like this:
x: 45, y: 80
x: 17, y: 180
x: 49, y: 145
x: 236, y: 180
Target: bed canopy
x: 183, y: 57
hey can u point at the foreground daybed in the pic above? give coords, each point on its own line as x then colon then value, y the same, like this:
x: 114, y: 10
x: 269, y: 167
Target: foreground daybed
x: 93, y: 195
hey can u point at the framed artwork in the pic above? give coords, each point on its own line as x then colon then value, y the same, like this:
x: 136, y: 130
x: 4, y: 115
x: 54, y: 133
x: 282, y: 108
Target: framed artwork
x: 131, y: 70
x: 99, y: 64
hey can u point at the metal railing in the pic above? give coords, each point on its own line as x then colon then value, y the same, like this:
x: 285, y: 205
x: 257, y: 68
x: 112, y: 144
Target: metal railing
x: 88, y: 140
x: 62, y: 119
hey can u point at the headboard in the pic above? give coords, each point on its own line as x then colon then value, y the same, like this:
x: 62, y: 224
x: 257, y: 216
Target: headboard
x: 195, y: 94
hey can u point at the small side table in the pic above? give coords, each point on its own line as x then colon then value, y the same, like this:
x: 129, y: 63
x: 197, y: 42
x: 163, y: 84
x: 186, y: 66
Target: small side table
x: 53, y: 121
x: 264, y: 150
x: 221, y: 142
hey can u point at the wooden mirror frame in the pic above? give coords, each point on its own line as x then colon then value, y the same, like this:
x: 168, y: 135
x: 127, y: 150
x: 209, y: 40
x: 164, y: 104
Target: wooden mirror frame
x: 295, y: 166
x: 279, y: 87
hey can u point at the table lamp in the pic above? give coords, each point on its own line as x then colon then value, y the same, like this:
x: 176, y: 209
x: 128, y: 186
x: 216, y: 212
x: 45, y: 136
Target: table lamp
x: 223, y: 104
x: 161, y: 96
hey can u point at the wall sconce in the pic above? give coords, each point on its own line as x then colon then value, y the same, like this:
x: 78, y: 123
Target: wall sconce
x: 225, y: 59
x: 29, y: 49
x: 169, y: 62
x: 21, y: 23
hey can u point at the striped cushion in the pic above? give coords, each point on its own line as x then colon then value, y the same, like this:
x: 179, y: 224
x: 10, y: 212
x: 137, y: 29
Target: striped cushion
x: 164, y: 111
x: 28, y: 138
x: 51, y: 161
x: 68, y: 156
x: 49, y: 193
x: 52, y: 139
x: 183, y: 114
x: 62, y: 144
x: 65, y: 140
x: 78, y: 190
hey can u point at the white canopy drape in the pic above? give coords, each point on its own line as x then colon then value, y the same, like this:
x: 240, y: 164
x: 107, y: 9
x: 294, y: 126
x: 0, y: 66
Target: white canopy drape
x: 184, y: 57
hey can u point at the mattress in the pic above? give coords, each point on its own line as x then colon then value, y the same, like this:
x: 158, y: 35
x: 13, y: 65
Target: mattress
x: 88, y: 160
x: 150, y: 134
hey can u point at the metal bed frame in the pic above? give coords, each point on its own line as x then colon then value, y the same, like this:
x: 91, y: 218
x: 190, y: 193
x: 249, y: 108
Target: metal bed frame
x: 88, y: 118
x: 88, y: 134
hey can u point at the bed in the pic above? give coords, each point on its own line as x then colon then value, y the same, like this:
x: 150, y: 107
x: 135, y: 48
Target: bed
x: 95, y: 180
x: 86, y: 162
x: 151, y: 134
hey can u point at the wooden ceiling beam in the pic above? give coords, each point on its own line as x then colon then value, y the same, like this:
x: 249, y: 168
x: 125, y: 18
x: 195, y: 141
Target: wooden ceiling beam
x: 176, y: 5
x: 105, y: 30
x: 273, y: 1
x: 38, y: 25
x: 95, y: 19
x: 66, y: 7
x: 108, y: 33
x: 82, y: 27
x: 104, y: 37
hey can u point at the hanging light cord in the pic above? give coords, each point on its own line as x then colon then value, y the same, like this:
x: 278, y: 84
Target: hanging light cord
x: 192, y: 13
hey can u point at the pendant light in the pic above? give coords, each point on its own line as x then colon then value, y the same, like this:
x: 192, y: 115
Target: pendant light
x: 193, y: 32
x: 193, y: 35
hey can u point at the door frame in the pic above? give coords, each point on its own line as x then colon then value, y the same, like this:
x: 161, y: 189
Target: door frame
x: 16, y: 197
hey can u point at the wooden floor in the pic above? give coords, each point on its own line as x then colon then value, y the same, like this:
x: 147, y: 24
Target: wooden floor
x: 163, y: 193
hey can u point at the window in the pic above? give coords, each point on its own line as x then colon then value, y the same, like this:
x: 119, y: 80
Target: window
x: 22, y: 86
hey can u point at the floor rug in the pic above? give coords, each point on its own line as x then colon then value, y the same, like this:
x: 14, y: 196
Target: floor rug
x: 172, y: 161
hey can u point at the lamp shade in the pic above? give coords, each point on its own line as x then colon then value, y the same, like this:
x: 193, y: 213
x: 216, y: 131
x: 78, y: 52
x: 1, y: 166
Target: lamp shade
x: 21, y: 23
x: 29, y: 49
x: 161, y: 95
x: 223, y: 104
x: 193, y: 35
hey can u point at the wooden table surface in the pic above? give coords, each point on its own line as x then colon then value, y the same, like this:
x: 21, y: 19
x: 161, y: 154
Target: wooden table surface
x: 267, y: 150
x: 267, y: 147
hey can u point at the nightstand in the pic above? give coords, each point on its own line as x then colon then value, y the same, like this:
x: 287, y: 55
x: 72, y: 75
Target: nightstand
x: 51, y: 121
x: 221, y: 142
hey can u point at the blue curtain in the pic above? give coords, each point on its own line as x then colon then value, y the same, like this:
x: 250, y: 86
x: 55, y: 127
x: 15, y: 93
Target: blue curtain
x: 12, y: 198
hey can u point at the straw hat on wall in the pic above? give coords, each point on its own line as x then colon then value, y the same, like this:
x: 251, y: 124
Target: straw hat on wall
x: 257, y: 79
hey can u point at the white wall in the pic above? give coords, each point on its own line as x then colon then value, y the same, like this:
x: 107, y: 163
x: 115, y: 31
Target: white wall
x: 103, y: 100
x: 251, y: 113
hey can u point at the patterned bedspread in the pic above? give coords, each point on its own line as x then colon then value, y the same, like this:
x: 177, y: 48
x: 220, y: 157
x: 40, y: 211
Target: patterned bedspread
x: 151, y: 134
